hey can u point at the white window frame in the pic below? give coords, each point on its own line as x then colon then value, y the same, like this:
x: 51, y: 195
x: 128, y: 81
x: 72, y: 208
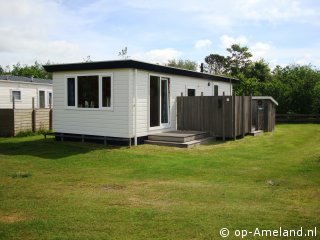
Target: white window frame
x: 100, y: 76
x: 45, y: 97
x: 162, y: 125
x: 11, y: 95
x: 48, y: 96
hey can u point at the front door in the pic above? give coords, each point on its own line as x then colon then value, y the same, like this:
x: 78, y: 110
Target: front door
x: 159, y: 101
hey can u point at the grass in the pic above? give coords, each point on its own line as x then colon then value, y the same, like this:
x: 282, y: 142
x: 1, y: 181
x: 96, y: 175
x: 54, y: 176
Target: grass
x: 86, y: 191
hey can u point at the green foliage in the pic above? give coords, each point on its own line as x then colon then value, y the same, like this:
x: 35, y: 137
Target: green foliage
x: 30, y: 133
x: 239, y: 59
x: 184, y: 64
x: 36, y: 70
x: 216, y: 64
x: 295, y: 87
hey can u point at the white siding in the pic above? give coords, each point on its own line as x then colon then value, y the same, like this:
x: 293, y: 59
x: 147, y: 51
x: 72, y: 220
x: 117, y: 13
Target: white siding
x: 28, y: 91
x: 113, y: 123
x: 178, y: 84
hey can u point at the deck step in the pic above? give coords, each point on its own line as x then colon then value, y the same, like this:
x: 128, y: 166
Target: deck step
x: 178, y: 136
x: 256, y: 133
x: 188, y: 144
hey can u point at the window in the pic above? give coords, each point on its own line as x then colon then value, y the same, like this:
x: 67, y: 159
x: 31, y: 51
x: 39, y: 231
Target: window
x: 91, y: 91
x: 216, y: 90
x: 88, y: 92
x: 159, y: 101
x: 106, y: 91
x: 16, y: 95
x: 71, y: 92
x: 50, y: 99
x: 42, y: 98
x: 191, y: 92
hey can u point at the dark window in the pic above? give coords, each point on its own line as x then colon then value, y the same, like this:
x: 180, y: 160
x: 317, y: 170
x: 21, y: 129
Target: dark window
x: 164, y: 100
x: 216, y: 90
x: 191, y: 92
x: 42, y: 98
x: 106, y: 91
x: 16, y: 95
x: 154, y: 101
x: 88, y: 92
x: 50, y: 99
x: 71, y: 92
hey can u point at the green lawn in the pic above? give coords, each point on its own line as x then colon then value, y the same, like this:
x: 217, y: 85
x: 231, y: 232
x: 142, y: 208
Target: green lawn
x: 68, y: 190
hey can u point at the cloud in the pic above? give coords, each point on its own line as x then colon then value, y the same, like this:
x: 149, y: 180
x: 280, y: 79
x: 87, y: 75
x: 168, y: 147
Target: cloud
x: 202, y: 43
x: 260, y: 49
x: 276, y: 10
x: 227, y: 41
x: 158, y: 55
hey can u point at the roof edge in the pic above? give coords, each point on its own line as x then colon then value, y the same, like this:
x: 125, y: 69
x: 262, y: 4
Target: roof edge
x: 129, y: 63
x: 265, y: 98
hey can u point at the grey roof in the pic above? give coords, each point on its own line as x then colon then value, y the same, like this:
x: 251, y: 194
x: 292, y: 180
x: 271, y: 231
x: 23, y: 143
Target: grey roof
x: 25, y: 79
x: 265, y: 98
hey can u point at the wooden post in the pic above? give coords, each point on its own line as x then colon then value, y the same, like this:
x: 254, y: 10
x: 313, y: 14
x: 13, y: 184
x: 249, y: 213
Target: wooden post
x: 50, y: 119
x: 13, y: 103
x: 223, y: 116
x: 234, y: 116
x: 33, y: 116
x: 243, y: 116
x: 250, y: 121
x: 13, y: 115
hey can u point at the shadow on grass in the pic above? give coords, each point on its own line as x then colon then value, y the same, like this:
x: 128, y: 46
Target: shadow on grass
x: 49, y: 148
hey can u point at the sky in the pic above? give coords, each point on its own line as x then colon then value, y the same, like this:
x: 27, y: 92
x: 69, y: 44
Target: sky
x: 62, y: 31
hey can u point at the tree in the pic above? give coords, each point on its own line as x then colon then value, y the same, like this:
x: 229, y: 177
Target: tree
x: 239, y: 59
x: 184, y: 64
x: 1, y: 70
x: 216, y: 64
x: 124, y: 53
x: 35, y: 70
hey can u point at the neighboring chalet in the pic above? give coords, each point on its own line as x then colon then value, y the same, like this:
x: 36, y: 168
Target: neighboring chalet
x: 125, y: 98
x: 23, y: 89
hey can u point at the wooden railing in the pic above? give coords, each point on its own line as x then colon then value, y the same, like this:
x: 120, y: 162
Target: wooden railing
x: 298, y: 118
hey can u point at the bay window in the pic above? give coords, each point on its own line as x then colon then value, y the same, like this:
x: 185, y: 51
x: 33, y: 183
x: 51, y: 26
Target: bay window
x: 89, y: 91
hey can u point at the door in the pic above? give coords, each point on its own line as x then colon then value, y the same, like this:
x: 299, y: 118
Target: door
x: 159, y: 101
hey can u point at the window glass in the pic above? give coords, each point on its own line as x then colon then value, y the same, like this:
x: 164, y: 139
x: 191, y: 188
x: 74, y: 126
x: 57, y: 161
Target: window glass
x: 191, y: 92
x: 88, y: 92
x: 164, y: 101
x: 71, y: 92
x: 216, y: 90
x: 50, y: 99
x: 106, y: 91
x: 16, y: 95
x: 42, y: 103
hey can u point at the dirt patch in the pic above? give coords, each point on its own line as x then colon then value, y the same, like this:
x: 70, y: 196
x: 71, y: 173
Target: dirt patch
x: 112, y: 187
x: 12, y: 218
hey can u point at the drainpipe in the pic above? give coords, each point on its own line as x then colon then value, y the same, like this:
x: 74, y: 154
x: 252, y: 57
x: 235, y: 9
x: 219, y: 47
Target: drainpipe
x: 230, y: 87
x: 135, y: 105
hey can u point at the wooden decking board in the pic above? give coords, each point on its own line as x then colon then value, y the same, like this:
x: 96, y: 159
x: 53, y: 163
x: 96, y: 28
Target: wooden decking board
x: 189, y: 144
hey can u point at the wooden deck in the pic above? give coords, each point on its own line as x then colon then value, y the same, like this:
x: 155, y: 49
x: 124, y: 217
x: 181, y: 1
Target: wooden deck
x: 183, y: 139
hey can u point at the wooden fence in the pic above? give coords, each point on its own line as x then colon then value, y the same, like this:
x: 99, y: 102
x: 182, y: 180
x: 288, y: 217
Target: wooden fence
x: 298, y: 118
x: 221, y: 116
x: 13, y: 121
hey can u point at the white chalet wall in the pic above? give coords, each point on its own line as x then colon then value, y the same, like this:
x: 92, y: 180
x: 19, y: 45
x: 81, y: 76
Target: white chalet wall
x: 113, y: 123
x: 28, y: 91
x: 178, y: 84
